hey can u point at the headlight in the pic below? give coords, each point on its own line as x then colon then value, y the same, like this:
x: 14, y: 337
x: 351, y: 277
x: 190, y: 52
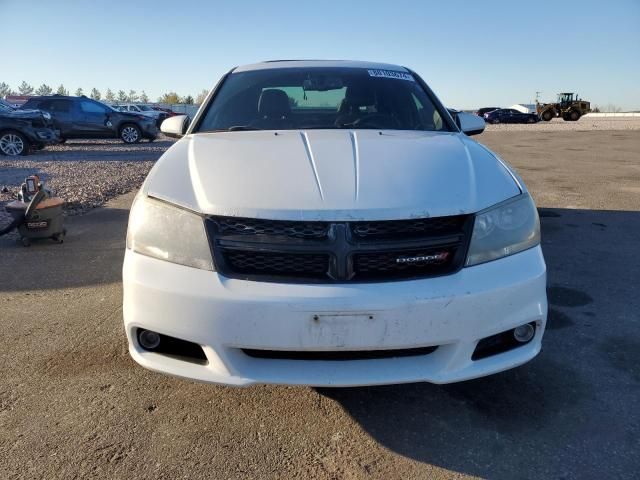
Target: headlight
x: 46, y: 115
x: 507, y: 228
x: 162, y: 231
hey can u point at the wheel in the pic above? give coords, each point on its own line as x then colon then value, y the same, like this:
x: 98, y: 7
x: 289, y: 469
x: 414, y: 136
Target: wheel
x: 58, y: 237
x: 130, y: 133
x: 531, y: 120
x: 548, y: 115
x: 496, y: 121
x: 13, y: 144
x: 574, y: 115
x: 25, y: 242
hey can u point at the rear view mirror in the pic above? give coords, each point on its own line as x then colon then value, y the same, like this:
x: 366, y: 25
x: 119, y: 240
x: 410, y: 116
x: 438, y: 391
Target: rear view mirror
x: 469, y: 123
x: 322, y: 83
x: 175, y: 126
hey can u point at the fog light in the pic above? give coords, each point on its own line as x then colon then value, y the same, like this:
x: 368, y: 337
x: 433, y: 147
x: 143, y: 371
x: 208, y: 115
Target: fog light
x: 524, y: 333
x: 148, y: 339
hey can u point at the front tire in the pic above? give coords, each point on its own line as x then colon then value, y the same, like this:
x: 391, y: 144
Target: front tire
x: 548, y: 115
x: 14, y: 144
x: 130, y: 133
x: 574, y: 115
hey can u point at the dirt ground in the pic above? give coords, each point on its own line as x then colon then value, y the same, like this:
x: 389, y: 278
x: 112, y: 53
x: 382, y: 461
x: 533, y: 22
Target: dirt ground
x: 74, y: 405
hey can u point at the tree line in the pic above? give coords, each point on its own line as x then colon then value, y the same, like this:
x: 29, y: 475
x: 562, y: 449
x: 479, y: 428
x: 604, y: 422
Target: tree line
x: 109, y: 95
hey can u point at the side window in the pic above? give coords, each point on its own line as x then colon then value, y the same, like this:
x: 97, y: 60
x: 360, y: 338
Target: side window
x: 60, y: 106
x: 91, y: 107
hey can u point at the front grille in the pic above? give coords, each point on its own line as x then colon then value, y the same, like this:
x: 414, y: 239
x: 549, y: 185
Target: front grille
x: 299, y: 265
x: 403, y: 264
x: 409, y: 228
x: 338, y: 252
x: 248, y: 226
x: 337, y: 355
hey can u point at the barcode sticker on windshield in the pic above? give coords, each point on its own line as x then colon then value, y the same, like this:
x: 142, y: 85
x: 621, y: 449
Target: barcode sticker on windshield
x: 391, y: 74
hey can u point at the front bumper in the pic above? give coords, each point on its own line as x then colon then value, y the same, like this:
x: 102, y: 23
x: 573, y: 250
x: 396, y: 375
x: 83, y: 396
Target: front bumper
x: 149, y: 129
x: 225, y: 316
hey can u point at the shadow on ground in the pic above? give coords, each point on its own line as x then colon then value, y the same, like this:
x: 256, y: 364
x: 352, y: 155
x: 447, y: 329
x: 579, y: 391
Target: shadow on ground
x: 92, y: 253
x: 535, y: 416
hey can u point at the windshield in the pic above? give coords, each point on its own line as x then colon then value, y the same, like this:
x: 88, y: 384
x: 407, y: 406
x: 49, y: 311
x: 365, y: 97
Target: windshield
x: 321, y: 98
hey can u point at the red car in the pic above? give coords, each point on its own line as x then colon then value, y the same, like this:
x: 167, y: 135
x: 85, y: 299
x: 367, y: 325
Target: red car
x: 168, y: 111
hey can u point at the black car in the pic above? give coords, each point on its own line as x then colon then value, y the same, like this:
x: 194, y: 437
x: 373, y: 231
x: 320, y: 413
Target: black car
x: 510, y: 115
x: 24, y: 130
x: 481, y: 111
x: 82, y: 117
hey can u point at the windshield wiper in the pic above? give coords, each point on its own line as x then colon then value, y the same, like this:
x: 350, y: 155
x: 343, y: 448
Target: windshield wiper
x: 242, y: 128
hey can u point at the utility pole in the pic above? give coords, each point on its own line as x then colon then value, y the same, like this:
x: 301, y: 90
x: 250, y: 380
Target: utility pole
x: 537, y: 95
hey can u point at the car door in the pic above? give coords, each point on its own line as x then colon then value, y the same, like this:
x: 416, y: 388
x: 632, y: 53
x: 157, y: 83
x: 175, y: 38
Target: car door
x: 502, y: 116
x: 519, y: 117
x: 62, y: 114
x: 94, y: 119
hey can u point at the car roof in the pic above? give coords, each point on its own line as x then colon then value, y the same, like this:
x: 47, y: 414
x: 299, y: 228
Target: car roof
x: 56, y: 96
x: 274, y: 64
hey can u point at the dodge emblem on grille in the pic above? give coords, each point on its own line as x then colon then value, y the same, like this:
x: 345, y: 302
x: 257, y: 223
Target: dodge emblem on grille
x: 433, y: 258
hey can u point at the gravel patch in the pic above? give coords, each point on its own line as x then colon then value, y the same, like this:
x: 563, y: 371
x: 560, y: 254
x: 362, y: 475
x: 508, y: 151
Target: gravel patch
x: 85, y: 173
x: 559, y: 125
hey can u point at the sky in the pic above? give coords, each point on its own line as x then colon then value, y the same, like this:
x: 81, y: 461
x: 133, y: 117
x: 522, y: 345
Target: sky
x: 471, y: 53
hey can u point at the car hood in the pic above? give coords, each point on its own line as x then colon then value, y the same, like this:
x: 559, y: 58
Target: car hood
x: 330, y: 175
x: 132, y: 115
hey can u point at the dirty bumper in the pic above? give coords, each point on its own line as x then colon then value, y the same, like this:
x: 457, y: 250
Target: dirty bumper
x: 228, y: 318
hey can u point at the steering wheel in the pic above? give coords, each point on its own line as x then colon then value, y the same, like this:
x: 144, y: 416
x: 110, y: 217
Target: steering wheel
x: 375, y: 120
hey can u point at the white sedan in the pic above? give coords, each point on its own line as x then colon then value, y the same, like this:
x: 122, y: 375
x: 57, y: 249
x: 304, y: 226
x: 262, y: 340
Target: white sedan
x: 330, y: 223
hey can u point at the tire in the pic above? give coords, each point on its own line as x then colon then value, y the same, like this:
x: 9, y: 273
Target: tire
x: 531, y: 120
x: 14, y: 144
x: 130, y: 133
x: 547, y: 115
x: 574, y: 115
x: 496, y: 121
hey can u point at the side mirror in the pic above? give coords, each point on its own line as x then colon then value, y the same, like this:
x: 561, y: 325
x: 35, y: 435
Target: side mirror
x: 470, y: 124
x: 175, y: 126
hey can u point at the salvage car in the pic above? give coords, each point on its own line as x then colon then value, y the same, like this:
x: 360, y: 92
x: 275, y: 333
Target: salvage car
x: 82, y: 117
x: 22, y: 131
x: 481, y: 111
x: 510, y: 115
x: 143, y: 109
x: 329, y: 223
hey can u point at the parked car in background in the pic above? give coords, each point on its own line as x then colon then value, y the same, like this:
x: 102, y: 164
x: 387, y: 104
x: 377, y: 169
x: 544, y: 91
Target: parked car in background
x: 82, y: 117
x: 24, y: 130
x: 329, y: 223
x: 510, y: 115
x: 145, y: 110
x: 480, y: 112
x: 168, y: 111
